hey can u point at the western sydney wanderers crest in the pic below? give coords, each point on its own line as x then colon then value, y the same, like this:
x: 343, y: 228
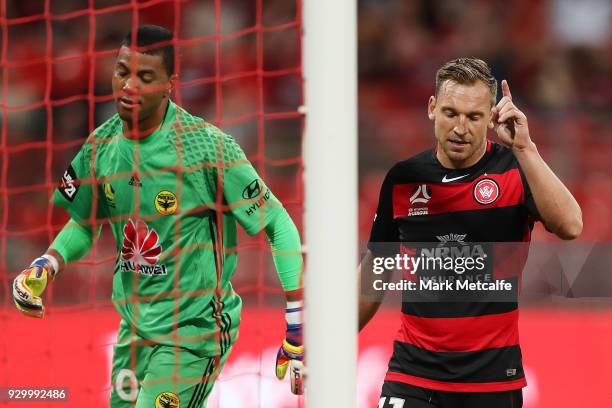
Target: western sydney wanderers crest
x: 141, y: 249
x: 486, y: 191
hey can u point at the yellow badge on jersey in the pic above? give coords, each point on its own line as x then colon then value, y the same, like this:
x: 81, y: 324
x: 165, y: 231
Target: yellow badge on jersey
x: 109, y: 192
x: 167, y: 400
x: 166, y: 202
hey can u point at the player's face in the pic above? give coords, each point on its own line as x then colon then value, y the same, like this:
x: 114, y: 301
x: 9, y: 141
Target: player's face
x: 141, y: 88
x: 461, y: 115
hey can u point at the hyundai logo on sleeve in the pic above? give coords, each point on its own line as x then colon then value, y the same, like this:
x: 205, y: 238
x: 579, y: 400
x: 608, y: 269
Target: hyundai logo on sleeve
x: 252, y: 190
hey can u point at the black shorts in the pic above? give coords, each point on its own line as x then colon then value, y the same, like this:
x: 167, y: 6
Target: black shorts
x: 400, y: 395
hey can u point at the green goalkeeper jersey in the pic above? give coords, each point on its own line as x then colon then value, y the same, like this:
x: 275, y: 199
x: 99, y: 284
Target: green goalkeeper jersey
x: 172, y: 201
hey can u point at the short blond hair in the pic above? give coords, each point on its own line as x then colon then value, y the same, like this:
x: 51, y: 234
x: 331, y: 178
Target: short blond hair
x: 467, y: 71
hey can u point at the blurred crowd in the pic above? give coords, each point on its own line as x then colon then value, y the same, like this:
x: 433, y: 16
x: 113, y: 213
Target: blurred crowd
x: 239, y: 67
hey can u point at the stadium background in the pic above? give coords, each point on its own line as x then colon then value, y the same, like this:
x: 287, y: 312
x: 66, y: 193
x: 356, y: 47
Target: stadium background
x: 240, y: 68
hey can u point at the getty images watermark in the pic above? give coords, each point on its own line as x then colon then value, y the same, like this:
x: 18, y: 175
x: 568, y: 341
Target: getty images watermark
x: 457, y: 271
x: 459, y: 266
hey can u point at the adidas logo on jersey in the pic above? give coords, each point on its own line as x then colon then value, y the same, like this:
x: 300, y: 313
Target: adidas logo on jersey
x: 135, y: 181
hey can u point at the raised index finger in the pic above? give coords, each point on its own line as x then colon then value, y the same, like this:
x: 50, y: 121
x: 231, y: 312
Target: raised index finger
x: 506, y: 89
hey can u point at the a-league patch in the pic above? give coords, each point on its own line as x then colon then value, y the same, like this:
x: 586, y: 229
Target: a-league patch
x: 109, y: 192
x: 68, y: 185
x: 167, y: 399
x: 486, y: 191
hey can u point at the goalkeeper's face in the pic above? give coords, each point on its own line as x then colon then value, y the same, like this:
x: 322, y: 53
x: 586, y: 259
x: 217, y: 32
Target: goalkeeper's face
x: 141, y: 88
x: 461, y: 115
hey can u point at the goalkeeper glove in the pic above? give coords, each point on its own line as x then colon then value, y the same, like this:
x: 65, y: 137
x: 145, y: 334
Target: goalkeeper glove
x: 291, y: 354
x: 31, y: 283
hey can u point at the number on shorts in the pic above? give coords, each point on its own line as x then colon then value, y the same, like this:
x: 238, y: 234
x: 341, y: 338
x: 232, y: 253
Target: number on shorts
x: 394, y: 401
x: 124, y: 374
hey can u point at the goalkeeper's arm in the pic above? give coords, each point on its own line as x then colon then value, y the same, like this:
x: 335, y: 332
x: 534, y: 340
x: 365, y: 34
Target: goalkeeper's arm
x: 71, y: 244
x: 287, y: 254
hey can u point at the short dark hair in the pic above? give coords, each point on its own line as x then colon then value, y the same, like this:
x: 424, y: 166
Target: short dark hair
x: 467, y: 71
x: 149, y: 35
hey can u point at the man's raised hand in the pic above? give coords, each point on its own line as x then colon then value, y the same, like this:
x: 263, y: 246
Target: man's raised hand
x: 510, y: 123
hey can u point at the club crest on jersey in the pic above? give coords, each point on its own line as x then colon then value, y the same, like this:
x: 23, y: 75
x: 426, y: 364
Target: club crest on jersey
x: 141, y: 249
x: 421, y: 195
x: 167, y: 399
x: 166, y: 202
x: 486, y: 191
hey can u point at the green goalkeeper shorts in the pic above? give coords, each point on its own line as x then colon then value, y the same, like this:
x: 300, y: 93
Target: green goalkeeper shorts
x: 149, y: 375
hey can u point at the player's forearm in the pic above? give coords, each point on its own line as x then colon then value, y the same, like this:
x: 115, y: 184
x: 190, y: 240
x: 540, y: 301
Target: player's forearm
x: 557, y: 206
x: 368, y: 302
x: 61, y: 263
x: 294, y: 295
x: 367, y: 310
x: 286, y: 248
x: 72, y: 243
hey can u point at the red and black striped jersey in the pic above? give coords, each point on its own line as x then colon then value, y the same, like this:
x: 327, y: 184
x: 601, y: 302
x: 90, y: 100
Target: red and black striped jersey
x: 462, y: 346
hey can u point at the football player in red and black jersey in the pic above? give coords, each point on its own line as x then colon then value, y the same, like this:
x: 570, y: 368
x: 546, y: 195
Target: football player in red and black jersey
x: 466, y: 189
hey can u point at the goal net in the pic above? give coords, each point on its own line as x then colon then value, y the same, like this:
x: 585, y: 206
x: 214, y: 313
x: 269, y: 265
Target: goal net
x: 239, y: 67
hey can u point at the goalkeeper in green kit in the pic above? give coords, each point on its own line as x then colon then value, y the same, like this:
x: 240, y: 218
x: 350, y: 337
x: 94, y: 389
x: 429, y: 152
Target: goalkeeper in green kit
x: 172, y: 187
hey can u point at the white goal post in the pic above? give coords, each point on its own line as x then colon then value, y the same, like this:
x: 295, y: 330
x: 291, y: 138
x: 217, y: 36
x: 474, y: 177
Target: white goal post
x: 330, y: 149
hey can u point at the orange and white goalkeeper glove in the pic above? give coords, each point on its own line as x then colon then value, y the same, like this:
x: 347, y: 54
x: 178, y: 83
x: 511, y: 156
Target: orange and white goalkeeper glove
x: 29, y: 285
x: 291, y: 354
